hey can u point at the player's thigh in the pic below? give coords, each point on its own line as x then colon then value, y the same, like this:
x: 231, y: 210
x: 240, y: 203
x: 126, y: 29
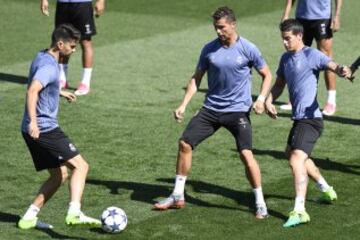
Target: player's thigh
x: 239, y: 125
x: 84, y: 20
x: 308, y: 34
x: 322, y: 29
x: 62, y: 13
x: 201, y: 126
x: 77, y: 162
x: 51, y: 150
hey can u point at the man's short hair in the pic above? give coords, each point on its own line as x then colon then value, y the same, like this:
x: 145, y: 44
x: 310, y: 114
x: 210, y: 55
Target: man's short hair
x: 224, y: 12
x: 66, y: 33
x: 291, y: 25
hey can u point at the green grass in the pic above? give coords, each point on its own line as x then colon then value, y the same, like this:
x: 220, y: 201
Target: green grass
x: 146, y: 50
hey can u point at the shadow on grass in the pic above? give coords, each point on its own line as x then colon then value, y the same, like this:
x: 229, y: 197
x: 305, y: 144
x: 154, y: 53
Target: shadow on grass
x: 13, y: 78
x: 147, y: 193
x: 12, y: 218
x: 337, y: 119
x: 326, y: 164
x: 245, y: 199
x: 142, y: 192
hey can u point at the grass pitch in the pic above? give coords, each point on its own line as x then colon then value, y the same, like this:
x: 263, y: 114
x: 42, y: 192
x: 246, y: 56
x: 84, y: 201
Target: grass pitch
x: 145, y: 52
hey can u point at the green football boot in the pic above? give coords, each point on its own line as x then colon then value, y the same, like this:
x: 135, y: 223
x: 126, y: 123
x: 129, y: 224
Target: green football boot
x: 329, y: 196
x: 82, y: 219
x: 296, y: 218
x: 33, y: 223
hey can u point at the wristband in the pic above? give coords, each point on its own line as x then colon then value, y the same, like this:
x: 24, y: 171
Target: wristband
x: 261, y: 98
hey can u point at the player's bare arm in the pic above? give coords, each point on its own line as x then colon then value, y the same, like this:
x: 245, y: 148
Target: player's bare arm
x: 341, y: 71
x: 32, y: 97
x: 259, y: 105
x: 287, y: 9
x: 44, y: 7
x: 191, y: 89
x: 275, y: 92
x: 335, y: 24
x: 69, y: 96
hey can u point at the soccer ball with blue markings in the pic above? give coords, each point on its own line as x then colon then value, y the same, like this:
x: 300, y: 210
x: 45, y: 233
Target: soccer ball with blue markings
x: 113, y: 220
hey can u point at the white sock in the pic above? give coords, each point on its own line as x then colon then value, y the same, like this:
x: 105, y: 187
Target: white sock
x: 31, y: 213
x: 299, y: 204
x: 331, y: 97
x: 322, y: 185
x: 179, y: 185
x: 63, y: 71
x: 86, y: 76
x: 74, y: 208
x: 259, y: 197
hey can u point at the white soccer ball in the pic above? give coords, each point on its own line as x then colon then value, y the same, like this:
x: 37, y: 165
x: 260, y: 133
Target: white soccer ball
x: 113, y: 220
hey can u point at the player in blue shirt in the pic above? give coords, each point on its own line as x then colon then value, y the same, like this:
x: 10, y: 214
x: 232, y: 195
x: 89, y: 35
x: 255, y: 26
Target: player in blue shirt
x: 50, y: 148
x: 228, y: 61
x: 79, y: 13
x: 319, y: 23
x: 299, y: 68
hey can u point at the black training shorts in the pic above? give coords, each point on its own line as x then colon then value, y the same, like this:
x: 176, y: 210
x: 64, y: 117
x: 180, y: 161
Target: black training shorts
x: 80, y: 15
x: 206, y: 122
x: 304, y: 134
x: 51, y: 150
x: 318, y: 29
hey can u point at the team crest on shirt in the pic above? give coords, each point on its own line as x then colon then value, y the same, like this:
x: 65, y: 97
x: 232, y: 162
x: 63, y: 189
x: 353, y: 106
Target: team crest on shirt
x: 72, y: 147
x: 239, y: 60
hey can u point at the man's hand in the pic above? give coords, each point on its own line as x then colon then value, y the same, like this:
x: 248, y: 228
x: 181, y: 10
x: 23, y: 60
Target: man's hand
x: 271, y: 110
x: 259, y: 106
x: 179, y: 114
x: 99, y: 8
x: 335, y: 24
x: 44, y: 7
x: 34, y: 131
x: 346, y: 72
x: 70, y: 97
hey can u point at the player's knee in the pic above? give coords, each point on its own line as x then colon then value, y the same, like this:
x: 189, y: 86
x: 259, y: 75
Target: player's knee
x: 184, y: 146
x: 85, y: 166
x: 64, y: 177
x: 79, y: 163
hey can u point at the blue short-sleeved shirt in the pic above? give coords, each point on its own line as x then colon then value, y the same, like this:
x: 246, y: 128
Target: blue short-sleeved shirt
x: 45, y: 69
x: 229, y: 74
x: 313, y: 9
x: 301, y: 70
